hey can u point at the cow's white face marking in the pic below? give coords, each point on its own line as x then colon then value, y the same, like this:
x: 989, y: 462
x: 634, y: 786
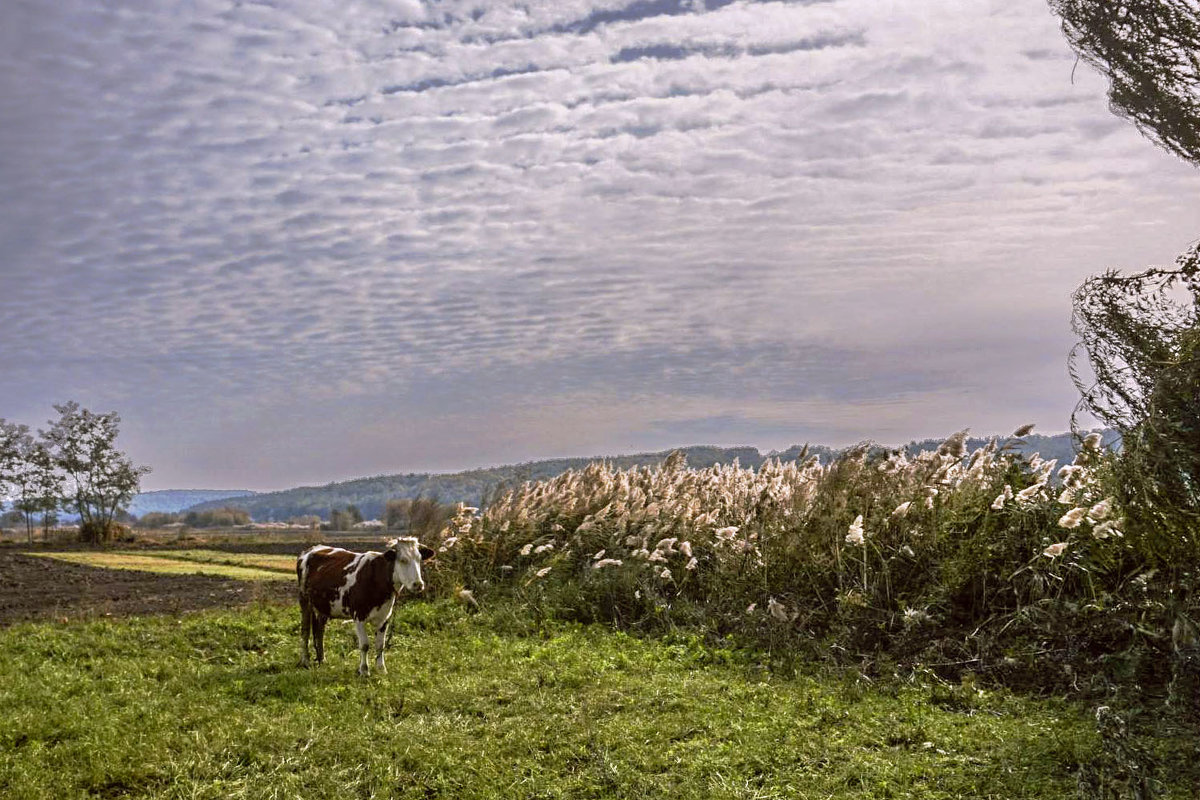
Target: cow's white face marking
x: 407, y: 572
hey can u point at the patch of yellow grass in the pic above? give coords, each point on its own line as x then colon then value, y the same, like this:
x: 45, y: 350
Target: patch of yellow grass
x: 271, y: 563
x: 164, y: 564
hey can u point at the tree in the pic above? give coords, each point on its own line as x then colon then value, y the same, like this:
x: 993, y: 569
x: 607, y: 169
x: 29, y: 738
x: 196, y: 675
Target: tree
x: 427, y: 516
x: 1141, y: 337
x: 1150, y: 51
x: 157, y: 519
x: 41, y: 486
x: 15, y: 478
x: 99, y: 478
x: 10, y: 437
x: 224, y: 517
x: 1141, y: 332
x: 395, y: 514
x: 339, y: 520
x: 27, y: 475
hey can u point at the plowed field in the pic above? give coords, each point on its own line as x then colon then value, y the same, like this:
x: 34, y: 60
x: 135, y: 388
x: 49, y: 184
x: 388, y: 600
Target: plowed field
x: 40, y: 588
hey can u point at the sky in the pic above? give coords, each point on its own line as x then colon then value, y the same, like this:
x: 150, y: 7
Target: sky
x: 299, y: 241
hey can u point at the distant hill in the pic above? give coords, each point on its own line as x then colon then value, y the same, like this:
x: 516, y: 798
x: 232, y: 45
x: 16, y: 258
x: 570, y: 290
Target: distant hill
x: 173, y: 500
x: 1060, y: 446
x: 473, y: 486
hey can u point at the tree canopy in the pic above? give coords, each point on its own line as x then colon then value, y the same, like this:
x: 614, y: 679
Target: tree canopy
x: 1150, y: 51
x: 100, y: 478
x: 1141, y: 331
x: 1141, y: 337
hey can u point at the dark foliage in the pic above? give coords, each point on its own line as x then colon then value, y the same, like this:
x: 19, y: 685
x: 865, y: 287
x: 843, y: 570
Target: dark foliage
x: 1150, y: 51
x: 1140, y: 335
x: 227, y: 517
x: 157, y: 519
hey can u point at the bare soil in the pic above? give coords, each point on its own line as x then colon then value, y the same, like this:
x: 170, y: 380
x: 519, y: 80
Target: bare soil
x: 280, y: 548
x: 34, y: 588
x: 44, y: 589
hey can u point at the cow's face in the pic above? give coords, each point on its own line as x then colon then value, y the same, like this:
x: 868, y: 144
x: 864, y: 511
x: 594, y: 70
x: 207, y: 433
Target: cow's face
x: 407, y: 555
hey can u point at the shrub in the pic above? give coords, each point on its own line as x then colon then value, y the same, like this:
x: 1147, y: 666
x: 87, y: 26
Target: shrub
x: 226, y: 517
x: 94, y: 532
x: 1141, y: 337
x: 1006, y: 565
x: 157, y: 519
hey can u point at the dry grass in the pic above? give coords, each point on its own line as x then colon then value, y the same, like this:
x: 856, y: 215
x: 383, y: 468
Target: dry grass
x: 273, y: 563
x: 171, y: 565
x: 872, y: 530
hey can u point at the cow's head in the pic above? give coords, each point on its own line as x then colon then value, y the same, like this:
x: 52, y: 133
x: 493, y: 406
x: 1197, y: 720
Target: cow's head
x: 406, y: 555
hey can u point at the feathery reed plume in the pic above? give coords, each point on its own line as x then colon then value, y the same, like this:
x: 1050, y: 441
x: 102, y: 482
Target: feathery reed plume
x: 1100, y: 511
x: 779, y: 611
x: 1055, y: 550
x: 955, y: 446
x: 856, y: 536
x: 1072, y: 518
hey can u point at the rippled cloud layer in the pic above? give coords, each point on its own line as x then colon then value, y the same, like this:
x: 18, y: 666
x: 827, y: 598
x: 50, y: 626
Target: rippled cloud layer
x: 294, y: 241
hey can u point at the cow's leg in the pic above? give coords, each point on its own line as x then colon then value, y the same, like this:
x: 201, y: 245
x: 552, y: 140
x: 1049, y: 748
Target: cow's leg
x: 364, y: 645
x: 380, y: 642
x: 306, y: 614
x: 318, y: 630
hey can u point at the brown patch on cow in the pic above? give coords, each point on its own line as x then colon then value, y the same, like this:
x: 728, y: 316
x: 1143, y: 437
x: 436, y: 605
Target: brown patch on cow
x: 330, y: 570
x: 326, y: 576
x: 373, y: 587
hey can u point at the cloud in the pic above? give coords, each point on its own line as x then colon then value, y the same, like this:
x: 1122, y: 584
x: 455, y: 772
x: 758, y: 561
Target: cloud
x: 483, y: 233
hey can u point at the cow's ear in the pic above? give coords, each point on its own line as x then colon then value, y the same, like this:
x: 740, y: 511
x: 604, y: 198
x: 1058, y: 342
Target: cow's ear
x: 427, y: 553
x: 389, y: 554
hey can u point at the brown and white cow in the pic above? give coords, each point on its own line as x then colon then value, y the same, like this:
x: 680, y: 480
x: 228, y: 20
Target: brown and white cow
x: 359, y: 586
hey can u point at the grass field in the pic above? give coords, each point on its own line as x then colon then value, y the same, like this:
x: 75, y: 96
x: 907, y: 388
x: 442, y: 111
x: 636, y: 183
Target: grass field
x: 212, y: 705
x: 271, y: 563
x: 243, y: 566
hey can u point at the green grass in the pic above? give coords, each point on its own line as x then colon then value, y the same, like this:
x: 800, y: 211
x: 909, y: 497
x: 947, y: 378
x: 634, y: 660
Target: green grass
x: 171, y: 564
x: 212, y: 705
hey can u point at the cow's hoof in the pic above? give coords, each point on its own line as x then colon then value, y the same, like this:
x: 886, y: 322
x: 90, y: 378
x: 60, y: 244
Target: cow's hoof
x: 381, y: 669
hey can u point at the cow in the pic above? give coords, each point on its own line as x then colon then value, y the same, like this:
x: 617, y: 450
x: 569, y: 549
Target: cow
x: 360, y: 586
